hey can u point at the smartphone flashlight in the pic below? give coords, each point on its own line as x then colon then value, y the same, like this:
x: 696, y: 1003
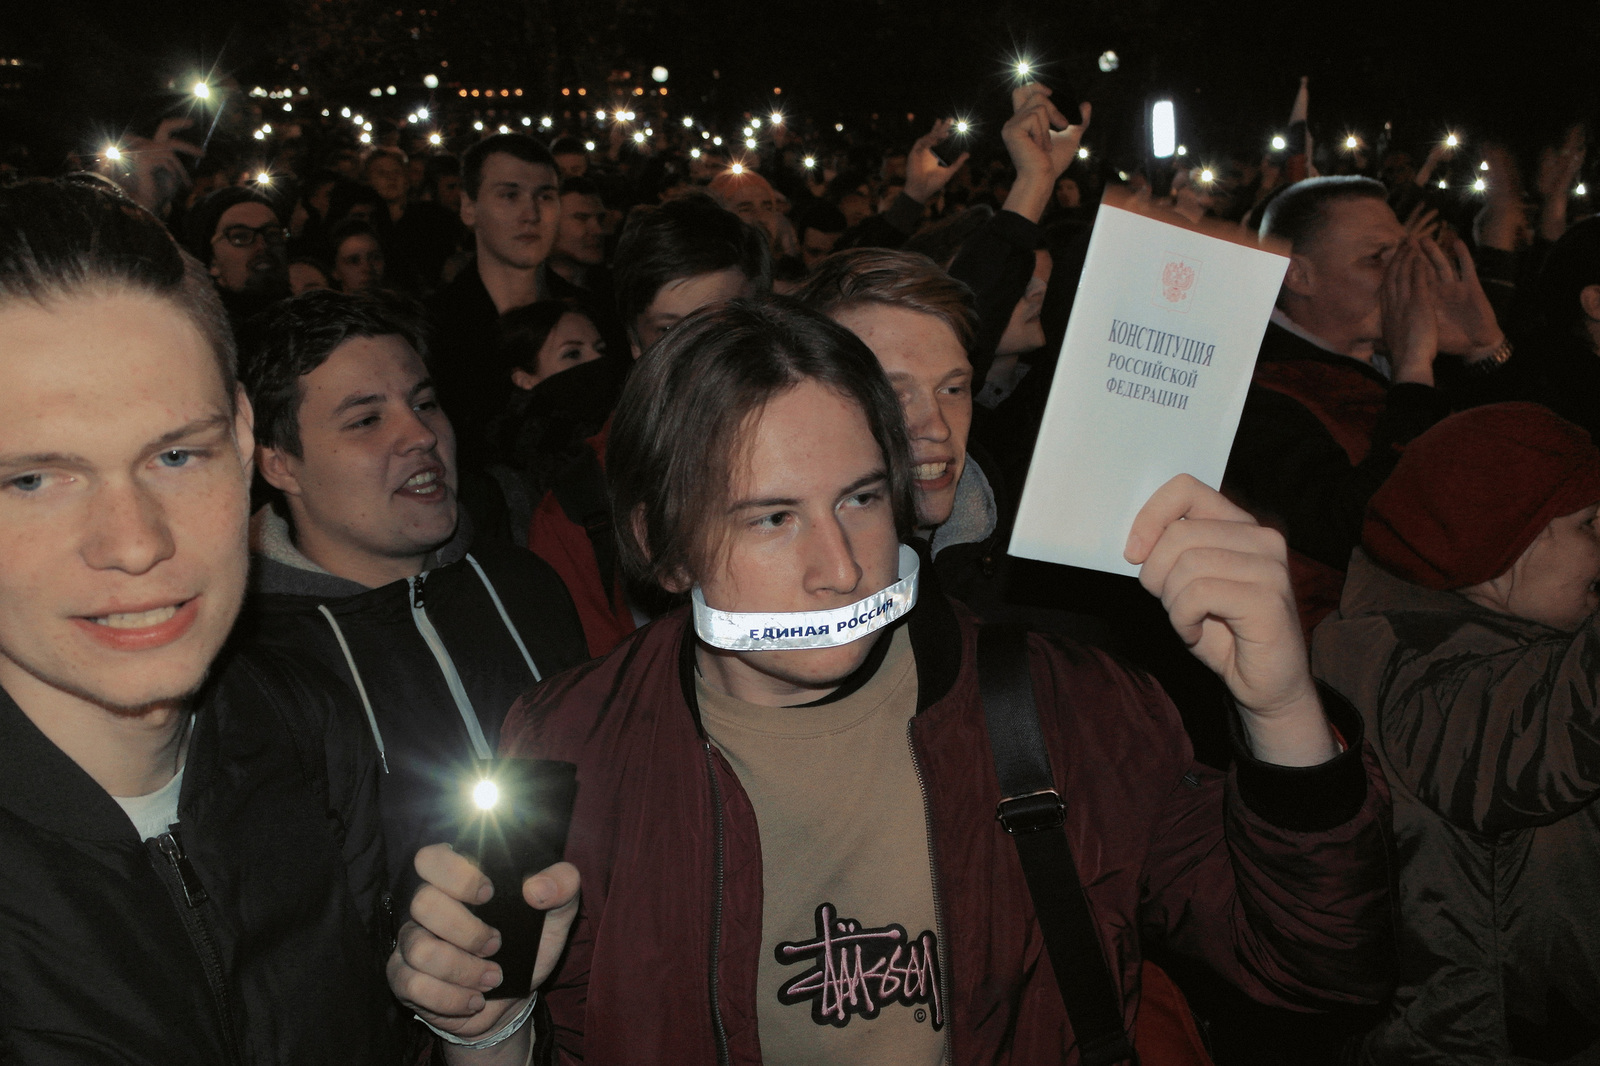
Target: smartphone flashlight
x: 512, y: 822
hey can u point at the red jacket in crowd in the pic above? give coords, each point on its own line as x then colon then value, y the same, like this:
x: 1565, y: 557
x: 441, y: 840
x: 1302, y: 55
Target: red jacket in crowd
x: 1273, y: 877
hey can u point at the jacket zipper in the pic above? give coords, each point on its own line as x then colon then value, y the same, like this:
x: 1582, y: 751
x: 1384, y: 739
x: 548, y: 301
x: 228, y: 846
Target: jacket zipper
x: 452, y: 678
x: 938, y: 902
x: 718, y: 1028
x: 194, y: 894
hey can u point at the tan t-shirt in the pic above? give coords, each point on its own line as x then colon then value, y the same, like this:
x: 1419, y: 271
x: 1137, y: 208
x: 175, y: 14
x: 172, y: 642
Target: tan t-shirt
x: 850, y: 964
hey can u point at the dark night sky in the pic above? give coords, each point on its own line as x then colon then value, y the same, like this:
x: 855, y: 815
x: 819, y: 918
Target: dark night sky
x: 1516, y: 69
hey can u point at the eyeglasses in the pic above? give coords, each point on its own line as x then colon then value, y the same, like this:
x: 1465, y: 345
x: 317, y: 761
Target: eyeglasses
x: 245, y: 236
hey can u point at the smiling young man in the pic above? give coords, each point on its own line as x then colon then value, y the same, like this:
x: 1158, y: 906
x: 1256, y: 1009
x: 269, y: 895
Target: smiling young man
x: 785, y: 812
x: 366, y: 563
x: 193, y: 863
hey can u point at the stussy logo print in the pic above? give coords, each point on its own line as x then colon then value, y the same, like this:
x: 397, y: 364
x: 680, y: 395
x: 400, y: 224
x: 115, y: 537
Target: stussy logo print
x: 858, y: 971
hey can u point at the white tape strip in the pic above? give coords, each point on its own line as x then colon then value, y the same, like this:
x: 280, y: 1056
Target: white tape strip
x: 783, y: 631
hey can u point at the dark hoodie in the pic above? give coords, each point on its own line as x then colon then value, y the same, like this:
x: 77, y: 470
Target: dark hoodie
x: 435, y: 660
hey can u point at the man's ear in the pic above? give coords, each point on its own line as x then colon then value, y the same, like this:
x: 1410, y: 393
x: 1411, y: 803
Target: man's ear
x: 277, y: 469
x: 1300, y: 278
x: 1589, y: 300
x: 469, y: 211
x: 244, y: 421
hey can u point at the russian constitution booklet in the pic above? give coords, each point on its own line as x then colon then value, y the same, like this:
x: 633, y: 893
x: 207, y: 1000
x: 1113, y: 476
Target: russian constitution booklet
x: 1153, y: 373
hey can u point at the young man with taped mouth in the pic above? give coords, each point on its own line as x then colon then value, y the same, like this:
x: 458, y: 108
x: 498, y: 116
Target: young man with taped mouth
x: 790, y: 774
x: 193, y: 863
x: 366, y: 563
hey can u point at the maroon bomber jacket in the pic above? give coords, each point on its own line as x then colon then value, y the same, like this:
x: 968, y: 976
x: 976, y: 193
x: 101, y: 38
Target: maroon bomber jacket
x: 1273, y: 877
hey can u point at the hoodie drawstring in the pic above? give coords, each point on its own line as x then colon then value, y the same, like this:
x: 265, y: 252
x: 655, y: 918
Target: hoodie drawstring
x: 506, y: 618
x: 361, y: 689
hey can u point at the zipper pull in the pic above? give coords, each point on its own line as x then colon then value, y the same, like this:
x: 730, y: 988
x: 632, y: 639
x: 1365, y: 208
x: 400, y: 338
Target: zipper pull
x: 194, y: 893
x: 416, y: 590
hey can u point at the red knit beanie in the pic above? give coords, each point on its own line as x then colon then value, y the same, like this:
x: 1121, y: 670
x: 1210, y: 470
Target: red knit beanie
x: 1470, y: 495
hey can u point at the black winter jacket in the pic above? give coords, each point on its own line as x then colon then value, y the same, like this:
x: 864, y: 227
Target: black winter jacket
x: 252, y: 933
x: 428, y: 660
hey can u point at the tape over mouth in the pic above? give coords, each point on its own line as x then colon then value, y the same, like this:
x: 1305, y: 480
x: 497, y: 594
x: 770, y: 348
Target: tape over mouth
x: 801, y: 630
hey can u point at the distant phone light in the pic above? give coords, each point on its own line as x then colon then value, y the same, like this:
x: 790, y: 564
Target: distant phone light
x: 1278, y: 142
x: 1483, y: 165
x: 1351, y: 142
x: 737, y: 168
x: 1451, y: 141
x: 1083, y: 153
x: 486, y: 794
x: 1443, y: 184
x: 1108, y: 61
x: 435, y: 140
x: 1163, y: 129
x: 1207, y: 177
x: 1480, y: 185
x: 811, y: 162
x: 430, y: 81
x: 1581, y: 190
x: 113, y: 152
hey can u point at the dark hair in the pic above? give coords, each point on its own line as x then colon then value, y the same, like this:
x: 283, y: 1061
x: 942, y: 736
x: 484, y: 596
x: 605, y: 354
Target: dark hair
x: 567, y: 145
x: 201, y: 225
x: 583, y: 185
x: 893, y: 279
x: 295, y: 336
x: 81, y: 234
x: 1572, y: 265
x: 821, y: 216
x: 683, y: 239
x: 1298, y: 212
x: 517, y: 145
x: 523, y: 331
x: 677, y: 430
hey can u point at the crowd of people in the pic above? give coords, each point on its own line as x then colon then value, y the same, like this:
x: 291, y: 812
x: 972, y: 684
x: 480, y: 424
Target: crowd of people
x: 329, y: 483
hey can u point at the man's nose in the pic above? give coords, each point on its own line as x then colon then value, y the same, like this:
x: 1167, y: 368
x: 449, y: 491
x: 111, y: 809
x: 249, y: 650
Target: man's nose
x: 925, y: 419
x: 831, y: 560
x: 127, y: 530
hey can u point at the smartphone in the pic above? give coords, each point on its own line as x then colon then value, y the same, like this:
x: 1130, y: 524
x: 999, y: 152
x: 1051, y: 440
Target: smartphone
x: 513, y: 817
x: 949, y: 150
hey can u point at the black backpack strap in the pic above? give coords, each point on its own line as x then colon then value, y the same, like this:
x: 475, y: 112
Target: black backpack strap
x: 1032, y: 811
x: 519, y: 503
x: 580, y: 489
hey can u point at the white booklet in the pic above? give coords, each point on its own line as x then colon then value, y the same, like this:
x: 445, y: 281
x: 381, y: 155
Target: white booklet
x: 1153, y: 374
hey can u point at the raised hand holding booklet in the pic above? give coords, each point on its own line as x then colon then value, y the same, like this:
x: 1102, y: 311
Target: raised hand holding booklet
x: 1153, y: 374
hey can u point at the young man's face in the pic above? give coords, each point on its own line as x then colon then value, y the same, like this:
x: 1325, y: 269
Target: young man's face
x: 582, y: 237
x: 124, y: 503
x: 247, y: 250
x: 516, y: 214
x: 809, y: 527
x: 928, y: 367
x: 681, y: 297
x: 388, y: 178
x: 374, y: 488
x: 816, y: 245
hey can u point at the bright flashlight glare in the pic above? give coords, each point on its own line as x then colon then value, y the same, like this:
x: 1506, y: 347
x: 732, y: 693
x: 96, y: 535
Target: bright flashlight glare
x: 1451, y: 141
x: 547, y: 122
x: 588, y: 145
x: 1083, y: 153
x: 777, y: 118
x: 688, y: 123
x: 1483, y: 165
x: 486, y: 794
x: 1024, y: 68
x: 1278, y: 143
x: 811, y: 162
x: 638, y: 138
x: 422, y: 113
x: 430, y: 81
x: 113, y: 152
x: 1207, y: 177
x: 1163, y: 129
x: 600, y: 116
x: 737, y: 168
x: 1581, y: 190
x: 694, y: 153
x: 263, y: 178
x: 1351, y: 142
x: 202, y: 90
x: 962, y: 125
x: 749, y: 142
x: 1443, y: 184
x: 435, y: 139
x: 1479, y: 185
